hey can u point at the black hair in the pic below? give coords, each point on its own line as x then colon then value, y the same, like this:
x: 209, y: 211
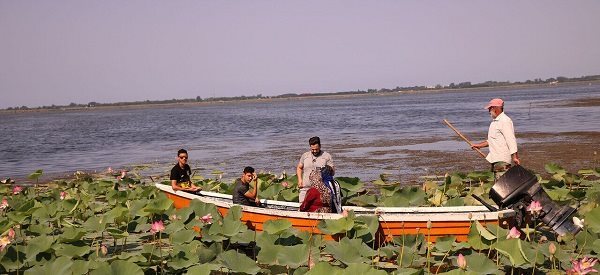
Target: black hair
x: 181, y: 151
x: 314, y: 140
x: 248, y: 169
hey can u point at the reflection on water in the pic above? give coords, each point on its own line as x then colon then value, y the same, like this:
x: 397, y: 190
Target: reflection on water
x: 271, y: 135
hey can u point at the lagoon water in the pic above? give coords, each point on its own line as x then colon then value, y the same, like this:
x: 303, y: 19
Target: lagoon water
x: 271, y: 135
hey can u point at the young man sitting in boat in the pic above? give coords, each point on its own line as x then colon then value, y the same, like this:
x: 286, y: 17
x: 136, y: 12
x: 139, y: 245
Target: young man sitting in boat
x: 180, y: 174
x: 242, y: 193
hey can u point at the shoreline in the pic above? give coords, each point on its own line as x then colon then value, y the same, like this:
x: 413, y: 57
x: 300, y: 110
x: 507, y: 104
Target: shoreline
x: 133, y: 106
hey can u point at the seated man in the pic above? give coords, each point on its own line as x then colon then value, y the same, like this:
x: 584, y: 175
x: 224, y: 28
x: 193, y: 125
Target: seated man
x: 242, y: 193
x: 180, y: 174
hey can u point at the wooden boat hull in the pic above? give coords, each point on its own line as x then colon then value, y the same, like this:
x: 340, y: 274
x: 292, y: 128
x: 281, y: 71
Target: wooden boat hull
x: 393, y: 221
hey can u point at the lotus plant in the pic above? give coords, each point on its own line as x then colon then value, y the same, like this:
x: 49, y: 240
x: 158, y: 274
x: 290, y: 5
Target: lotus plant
x: 4, y: 204
x: 462, y: 261
x: 157, y: 226
x: 583, y: 266
x: 207, y: 218
x: 513, y: 233
x: 578, y: 222
x: 17, y: 189
x: 535, y: 208
x: 63, y: 195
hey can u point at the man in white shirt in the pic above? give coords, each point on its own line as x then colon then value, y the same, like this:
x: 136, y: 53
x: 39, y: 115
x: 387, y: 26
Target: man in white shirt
x: 501, y: 139
x: 311, y: 160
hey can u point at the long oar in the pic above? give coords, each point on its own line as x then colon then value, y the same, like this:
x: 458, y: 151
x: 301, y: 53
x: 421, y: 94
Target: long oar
x: 463, y: 137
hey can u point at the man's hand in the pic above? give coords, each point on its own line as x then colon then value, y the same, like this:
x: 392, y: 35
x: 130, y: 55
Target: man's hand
x: 300, y: 183
x: 516, y: 160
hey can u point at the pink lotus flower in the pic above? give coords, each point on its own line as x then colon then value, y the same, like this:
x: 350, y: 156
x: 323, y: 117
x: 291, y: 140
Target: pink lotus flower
x: 285, y: 184
x: 462, y: 262
x: 157, y: 226
x: 17, y: 189
x: 11, y: 234
x: 584, y: 266
x: 207, y: 218
x: 123, y: 173
x: 63, y: 195
x: 535, y: 207
x: 513, y: 233
x: 578, y: 222
x: 552, y: 248
x: 110, y: 170
x: 4, y: 204
x: 4, y: 242
x: 104, y: 249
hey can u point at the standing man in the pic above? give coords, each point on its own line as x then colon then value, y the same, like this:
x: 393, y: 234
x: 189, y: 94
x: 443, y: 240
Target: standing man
x: 309, y: 161
x: 242, y: 193
x: 180, y: 174
x: 501, y: 140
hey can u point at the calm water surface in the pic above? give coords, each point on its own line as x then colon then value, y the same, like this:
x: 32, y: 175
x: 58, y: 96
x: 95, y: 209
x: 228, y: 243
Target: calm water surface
x: 271, y: 135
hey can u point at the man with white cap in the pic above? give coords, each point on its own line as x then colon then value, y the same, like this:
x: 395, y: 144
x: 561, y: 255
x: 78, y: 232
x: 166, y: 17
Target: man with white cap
x: 501, y: 139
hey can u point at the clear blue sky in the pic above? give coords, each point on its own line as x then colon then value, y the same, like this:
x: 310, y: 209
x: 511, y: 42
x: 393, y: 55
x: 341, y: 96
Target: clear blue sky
x: 58, y: 52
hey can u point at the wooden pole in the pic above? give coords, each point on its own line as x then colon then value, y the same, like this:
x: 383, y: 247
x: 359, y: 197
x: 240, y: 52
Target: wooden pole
x: 463, y: 137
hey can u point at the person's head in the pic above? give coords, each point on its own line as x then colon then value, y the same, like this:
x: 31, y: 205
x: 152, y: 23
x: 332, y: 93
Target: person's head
x: 182, y: 157
x: 247, y: 174
x: 495, y: 107
x: 315, y: 145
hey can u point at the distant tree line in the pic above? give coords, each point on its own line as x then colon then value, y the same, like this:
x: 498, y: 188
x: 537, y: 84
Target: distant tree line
x: 462, y: 85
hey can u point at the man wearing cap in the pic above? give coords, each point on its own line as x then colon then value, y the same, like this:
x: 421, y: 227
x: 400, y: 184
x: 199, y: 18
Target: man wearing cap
x: 501, y: 139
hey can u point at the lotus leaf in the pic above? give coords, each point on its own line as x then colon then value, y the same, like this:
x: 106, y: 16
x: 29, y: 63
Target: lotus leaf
x: 183, y: 236
x: 271, y: 192
x: 237, y: 262
x: 80, y: 267
x: 71, y: 234
x: 484, y: 232
x: 115, y: 214
x: 37, y: 245
x: 231, y: 224
x: 407, y: 196
x: 35, y: 175
x: 476, y: 240
x: 408, y: 271
x: 119, y: 267
x: 350, y: 251
x: 596, y: 246
x: 362, y: 268
x: 512, y: 248
x: 200, y: 209
x: 203, y: 269
x: 455, y: 202
x: 438, y: 199
x: 592, y: 220
x: 276, y: 227
x: 117, y: 233
x: 367, y: 229
x: 61, y: 265
x: 39, y: 229
x: 554, y: 168
x: 363, y: 200
x: 481, y: 264
x: 159, y: 204
x: 444, y: 244
x: 325, y: 268
x: 182, y: 259
x: 289, y: 194
x: 532, y: 253
x: 332, y: 227
x: 94, y: 224
x: 70, y: 250
x: 174, y: 226
x: 351, y: 185
x: 292, y: 256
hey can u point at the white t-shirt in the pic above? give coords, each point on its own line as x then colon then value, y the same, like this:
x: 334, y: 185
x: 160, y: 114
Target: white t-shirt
x: 501, y: 139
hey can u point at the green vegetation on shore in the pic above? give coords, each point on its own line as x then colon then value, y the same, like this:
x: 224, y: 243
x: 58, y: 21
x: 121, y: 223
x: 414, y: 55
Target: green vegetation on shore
x: 451, y: 86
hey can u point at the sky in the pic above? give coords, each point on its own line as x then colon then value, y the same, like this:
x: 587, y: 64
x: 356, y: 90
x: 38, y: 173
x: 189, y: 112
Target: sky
x: 58, y: 52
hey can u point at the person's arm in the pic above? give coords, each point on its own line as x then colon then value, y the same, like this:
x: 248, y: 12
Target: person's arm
x: 251, y: 194
x: 299, y: 173
x: 480, y: 145
x: 330, y: 163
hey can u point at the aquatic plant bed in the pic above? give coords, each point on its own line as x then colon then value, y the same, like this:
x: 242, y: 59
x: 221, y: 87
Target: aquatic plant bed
x: 105, y: 224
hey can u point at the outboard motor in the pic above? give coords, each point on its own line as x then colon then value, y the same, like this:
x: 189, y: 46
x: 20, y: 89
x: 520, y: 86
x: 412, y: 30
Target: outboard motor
x: 518, y: 187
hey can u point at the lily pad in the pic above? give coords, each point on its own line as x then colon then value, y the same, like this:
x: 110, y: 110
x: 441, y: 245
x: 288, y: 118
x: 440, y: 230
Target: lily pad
x: 512, y: 249
x: 237, y: 262
x: 276, y: 227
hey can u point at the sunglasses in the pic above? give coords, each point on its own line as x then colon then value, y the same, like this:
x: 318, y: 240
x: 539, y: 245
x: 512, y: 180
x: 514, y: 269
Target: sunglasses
x: 183, y: 157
